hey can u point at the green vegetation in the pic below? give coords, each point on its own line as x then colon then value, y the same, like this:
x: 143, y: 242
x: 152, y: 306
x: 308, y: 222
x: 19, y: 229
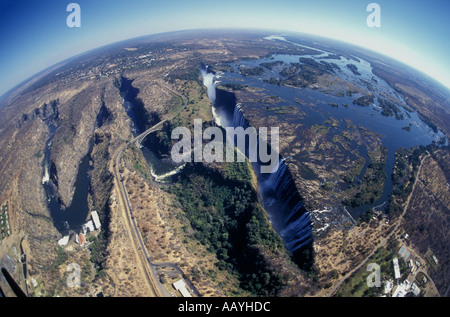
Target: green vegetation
x: 235, y: 86
x: 333, y: 104
x: 327, y: 185
x: 407, y: 162
x: 300, y: 75
x: 220, y: 203
x: 61, y: 257
x: 101, y: 186
x: 320, y: 68
x: 97, y: 250
x: 274, y: 81
x: 280, y: 110
x: 356, y: 285
x: 222, y: 209
x: 5, y: 229
x: 364, y: 101
x: 255, y: 71
x: 271, y: 65
x: 367, y: 216
x: 134, y: 156
x: 199, y: 105
x: 189, y: 74
x: 353, y: 69
x: 319, y: 129
x: 160, y: 142
x: 174, y: 104
x: 354, y: 171
x: 428, y: 122
x: 237, y: 171
x: 389, y: 109
x: 371, y: 186
x: 407, y: 128
x: 303, y: 74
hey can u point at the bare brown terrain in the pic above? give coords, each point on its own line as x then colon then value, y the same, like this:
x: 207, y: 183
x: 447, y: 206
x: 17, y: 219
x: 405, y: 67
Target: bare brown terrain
x: 418, y: 94
x: 319, y: 159
x: 162, y: 228
x: 427, y: 218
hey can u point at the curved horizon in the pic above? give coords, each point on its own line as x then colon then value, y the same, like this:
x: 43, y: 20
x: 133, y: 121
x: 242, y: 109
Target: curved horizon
x: 397, y: 38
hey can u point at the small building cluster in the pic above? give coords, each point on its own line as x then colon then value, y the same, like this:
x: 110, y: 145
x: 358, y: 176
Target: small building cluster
x: 394, y: 287
x: 405, y: 287
x: 416, y: 280
x: 92, y: 225
x: 5, y: 229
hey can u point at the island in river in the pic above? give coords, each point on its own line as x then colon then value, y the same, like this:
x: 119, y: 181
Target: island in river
x: 345, y: 119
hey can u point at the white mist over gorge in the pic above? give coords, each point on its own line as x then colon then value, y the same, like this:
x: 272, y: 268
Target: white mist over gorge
x: 279, y: 194
x: 238, y: 164
x: 209, y: 82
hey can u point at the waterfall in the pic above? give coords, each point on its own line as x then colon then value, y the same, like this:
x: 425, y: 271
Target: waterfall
x: 296, y: 219
x: 295, y: 229
x: 278, y: 189
x: 160, y: 178
x: 208, y: 81
x: 210, y: 84
x: 46, y: 177
x: 238, y: 118
x: 294, y: 213
x: 283, y: 183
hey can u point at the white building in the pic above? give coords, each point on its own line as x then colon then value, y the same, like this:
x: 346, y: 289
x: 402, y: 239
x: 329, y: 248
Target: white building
x: 415, y: 289
x: 399, y: 291
x: 181, y: 287
x: 396, y: 268
x: 412, y: 266
x: 402, y: 289
x: 88, y: 226
x: 63, y: 241
x: 435, y: 259
x: 388, y: 286
x: 96, y: 220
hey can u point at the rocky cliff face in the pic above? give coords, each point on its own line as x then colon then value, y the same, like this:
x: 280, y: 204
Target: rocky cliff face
x: 73, y: 136
x: 80, y: 109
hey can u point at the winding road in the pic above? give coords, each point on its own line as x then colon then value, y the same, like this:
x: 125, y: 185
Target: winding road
x: 147, y: 267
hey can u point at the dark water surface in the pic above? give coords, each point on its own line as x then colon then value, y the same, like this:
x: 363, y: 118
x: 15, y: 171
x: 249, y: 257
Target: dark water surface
x: 388, y: 128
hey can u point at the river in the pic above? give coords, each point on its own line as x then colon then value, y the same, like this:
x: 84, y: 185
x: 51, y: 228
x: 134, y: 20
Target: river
x: 277, y: 191
x: 393, y: 132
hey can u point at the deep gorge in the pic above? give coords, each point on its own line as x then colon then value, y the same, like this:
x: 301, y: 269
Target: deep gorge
x: 278, y: 192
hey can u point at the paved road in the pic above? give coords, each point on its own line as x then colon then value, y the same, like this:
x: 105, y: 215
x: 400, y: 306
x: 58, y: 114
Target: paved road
x: 147, y: 266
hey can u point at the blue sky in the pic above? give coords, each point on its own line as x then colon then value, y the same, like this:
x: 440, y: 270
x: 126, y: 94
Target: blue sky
x: 34, y: 34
